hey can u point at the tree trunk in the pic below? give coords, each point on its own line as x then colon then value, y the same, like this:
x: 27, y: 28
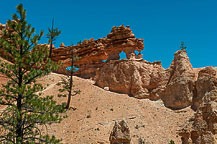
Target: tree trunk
x: 71, y: 81
x: 51, y: 47
x: 19, y: 125
x: 51, y: 43
x: 19, y: 130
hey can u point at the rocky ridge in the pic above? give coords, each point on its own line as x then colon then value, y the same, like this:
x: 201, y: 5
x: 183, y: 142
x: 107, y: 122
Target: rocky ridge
x: 178, y: 87
x: 92, y: 52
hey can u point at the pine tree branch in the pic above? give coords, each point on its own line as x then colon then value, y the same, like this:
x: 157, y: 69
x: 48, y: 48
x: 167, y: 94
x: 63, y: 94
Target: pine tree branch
x: 33, y: 78
x: 7, y: 95
x: 5, y: 139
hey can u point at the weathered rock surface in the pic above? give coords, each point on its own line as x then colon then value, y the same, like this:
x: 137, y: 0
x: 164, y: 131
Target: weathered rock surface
x: 93, y: 52
x: 206, y: 82
x: 142, y: 79
x: 134, y: 77
x: 120, y: 133
x: 179, y: 86
x: 179, y: 90
x: 202, y: 128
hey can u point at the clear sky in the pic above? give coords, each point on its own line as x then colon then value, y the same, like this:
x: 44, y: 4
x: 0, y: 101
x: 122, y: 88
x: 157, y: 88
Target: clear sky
x: 161, y: 23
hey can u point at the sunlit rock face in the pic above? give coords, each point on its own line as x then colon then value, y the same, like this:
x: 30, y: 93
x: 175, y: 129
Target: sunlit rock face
x: 137, y: 78
x: 92, y: 52
x: 178, y: 87
x: 120, y: 133
x: 202, y: 127
x: 206, y: 82
x: 142, y: 79
x: 179, y: 90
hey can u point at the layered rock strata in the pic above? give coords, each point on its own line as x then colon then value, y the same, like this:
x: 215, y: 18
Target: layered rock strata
x: 142, y: 79
x: 178, y: 87
x: 93, y: 52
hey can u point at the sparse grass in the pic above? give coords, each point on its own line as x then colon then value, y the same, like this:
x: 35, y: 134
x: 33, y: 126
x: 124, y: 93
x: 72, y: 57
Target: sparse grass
x: 141, y: 141
x: 172, y: 142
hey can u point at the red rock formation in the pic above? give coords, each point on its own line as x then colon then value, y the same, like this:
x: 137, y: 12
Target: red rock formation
x: 142, y: 79
x: 178, y: 86
x: 179, y: 90
x: 206, y: 82
x: 202, y: 128
x: 120, y: 133
x: 134, y: 77
x: 93, y: 52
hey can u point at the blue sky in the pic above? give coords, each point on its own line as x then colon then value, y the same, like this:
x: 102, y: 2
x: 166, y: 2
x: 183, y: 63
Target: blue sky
x: 161, y: 23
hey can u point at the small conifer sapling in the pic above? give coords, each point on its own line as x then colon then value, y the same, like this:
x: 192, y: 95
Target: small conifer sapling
x: 67, y: 84
x: 183, y: 47
x: 51, y: 35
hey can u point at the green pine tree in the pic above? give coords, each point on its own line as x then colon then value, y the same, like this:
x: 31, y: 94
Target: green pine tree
x: 51, y: 35
x: 183, y: 47
x: 68, y: 84
x: 25, y: 109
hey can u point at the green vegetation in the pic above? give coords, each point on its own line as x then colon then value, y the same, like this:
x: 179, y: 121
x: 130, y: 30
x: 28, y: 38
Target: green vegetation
x: 68, y: 84
x: 51, y: 35
x: 172, y: 142
x: 136, y: 127
x: 141, y: 141
x: 183, y: 46
x: 26, y: 111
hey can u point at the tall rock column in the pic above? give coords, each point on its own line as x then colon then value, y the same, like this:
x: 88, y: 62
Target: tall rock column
x: 179, y: 90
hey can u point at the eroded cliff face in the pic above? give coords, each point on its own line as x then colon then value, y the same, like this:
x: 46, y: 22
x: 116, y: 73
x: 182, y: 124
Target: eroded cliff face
x: 137, y: 78
x: 93, y: 52
x: 202, y: 127
x: 142, y: 79
x: 206, y: 82
x: 178, y: 87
